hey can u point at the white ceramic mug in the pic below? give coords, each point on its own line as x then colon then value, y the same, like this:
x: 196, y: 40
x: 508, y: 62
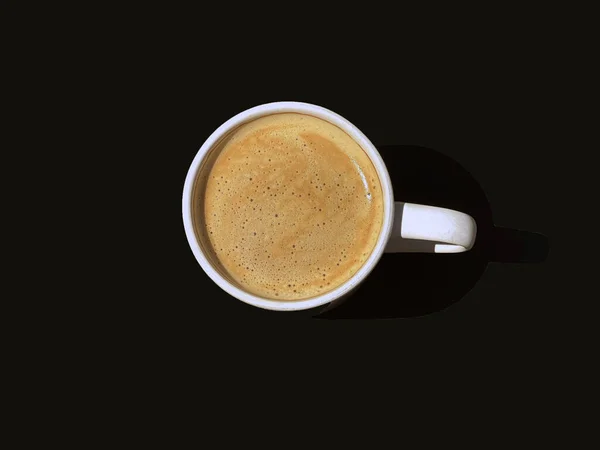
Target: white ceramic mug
x: 445, y: 230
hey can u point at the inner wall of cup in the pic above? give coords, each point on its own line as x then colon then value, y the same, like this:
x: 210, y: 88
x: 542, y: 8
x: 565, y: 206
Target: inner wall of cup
x: 198, y: 199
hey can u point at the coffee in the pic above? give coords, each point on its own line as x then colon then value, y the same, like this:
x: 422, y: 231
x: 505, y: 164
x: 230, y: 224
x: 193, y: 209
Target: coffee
x: 291, y: 206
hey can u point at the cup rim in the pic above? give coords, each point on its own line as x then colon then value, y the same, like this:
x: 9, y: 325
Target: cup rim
x: 319, y: 112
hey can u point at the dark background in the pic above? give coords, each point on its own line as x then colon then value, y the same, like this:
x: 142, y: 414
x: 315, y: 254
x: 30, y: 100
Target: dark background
x: 472, y: 118
x: 470, y: 114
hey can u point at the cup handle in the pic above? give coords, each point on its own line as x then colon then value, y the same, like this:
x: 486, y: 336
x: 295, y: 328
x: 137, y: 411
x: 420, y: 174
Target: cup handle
x: 429, y: 229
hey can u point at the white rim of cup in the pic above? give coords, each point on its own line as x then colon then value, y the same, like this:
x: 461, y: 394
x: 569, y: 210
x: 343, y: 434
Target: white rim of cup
x: 352, y: 131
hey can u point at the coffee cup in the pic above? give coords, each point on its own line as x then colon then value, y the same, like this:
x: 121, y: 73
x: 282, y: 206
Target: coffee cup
x: 445, y: 230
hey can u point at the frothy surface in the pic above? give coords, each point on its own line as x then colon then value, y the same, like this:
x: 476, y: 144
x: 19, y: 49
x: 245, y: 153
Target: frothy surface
x: 292, y: 206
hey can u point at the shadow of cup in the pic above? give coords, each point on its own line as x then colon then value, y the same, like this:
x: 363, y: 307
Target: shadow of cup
x: 432, y: 282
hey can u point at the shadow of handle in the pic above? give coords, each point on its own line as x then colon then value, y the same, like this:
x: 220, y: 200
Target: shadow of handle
x: 516, y: 246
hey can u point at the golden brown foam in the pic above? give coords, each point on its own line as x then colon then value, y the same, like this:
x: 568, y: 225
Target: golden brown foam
x: 292, y: 206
